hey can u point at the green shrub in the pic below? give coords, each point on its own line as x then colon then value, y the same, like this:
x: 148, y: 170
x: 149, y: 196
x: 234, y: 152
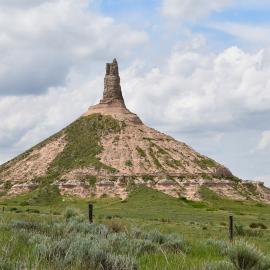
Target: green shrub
x: 245, y: 256
x: 79, y: 252
x: 208, y: 194
x: 205, y: 163
x: 34, y: 211
x: 170, y: 242
x: 7, y: 185
x: 88, y: 253
x: 52, y: 250
x: 18, y: 224
x: 116, y: 226
x: 38, y: 238
x: 91, y: 180
x: 146, y: 177
x: 172, y: 162
x: 120, y: 262
x: 175, y: 243
x: 86, y: 228
x: 141, y: 152
x: 156, y: 237
x: 136, y: 233
x: 7, y: 264
x: 257, y: 225
x: 46, y: 193
x: 206, y: 176
x: 123, y: 244
x: 24, y: 203
x: 154, y: 158
x: 129, y: 163
x: 120, y: 242
x: 264, y: 264
x: 240, y: 230
x: 70, y: 213
x: 219, y: 245
x: 141, y: 247
x: 183, y: 199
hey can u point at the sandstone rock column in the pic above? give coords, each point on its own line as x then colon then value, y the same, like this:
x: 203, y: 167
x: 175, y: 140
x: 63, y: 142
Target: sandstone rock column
x: 112, y: 88
x: 112, y: 102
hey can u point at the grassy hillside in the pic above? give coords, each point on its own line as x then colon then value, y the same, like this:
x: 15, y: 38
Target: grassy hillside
x: 83, y: 145
x: 146, y: 210
x: 82, y: 148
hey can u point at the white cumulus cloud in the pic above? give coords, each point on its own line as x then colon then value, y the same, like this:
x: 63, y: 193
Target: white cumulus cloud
x: 192, y: 9
x: 41, y: 44
x: 195, y: 90
x: 254, y: 34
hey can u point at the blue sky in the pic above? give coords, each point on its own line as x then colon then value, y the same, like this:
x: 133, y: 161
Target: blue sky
x: 196, y: 69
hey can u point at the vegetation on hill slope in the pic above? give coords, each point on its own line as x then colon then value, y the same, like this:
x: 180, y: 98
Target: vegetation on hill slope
x: 82, y: 149
x: 83, y: 143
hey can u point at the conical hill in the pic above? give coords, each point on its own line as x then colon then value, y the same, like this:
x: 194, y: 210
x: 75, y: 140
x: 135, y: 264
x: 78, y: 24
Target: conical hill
x: 109, y: 150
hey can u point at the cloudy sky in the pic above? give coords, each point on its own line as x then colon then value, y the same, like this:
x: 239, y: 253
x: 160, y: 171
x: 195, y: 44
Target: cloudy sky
x: 196, y: 69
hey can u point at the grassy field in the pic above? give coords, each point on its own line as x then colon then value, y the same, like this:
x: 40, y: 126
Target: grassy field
x: 201, y: 228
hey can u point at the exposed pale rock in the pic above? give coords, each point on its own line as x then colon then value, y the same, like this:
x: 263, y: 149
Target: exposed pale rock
x: 35, y: 164
x: 222, y: 171
x: 22, y: 188
x: 166, y: 182
x: 74, y: 188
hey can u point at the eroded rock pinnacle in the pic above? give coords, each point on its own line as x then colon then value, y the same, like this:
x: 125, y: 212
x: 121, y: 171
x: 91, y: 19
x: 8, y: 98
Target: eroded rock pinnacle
x: 112, y: 102
x: 112, y: 88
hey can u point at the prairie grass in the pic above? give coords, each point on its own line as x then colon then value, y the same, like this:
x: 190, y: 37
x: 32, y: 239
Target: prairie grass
x: 149, y: 231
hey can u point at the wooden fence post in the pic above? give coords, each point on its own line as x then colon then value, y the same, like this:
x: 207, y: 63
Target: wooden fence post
x: 231, y: 227
x: 90, y: 212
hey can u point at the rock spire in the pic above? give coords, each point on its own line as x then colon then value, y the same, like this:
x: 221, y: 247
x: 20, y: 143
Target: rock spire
x: 112, y: 88
x: 112, y: 102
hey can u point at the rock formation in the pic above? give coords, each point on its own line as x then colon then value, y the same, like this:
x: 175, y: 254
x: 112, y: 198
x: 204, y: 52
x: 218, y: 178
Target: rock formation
x: 108, y: 150
x: 112, y: 88
x: 112, y: 102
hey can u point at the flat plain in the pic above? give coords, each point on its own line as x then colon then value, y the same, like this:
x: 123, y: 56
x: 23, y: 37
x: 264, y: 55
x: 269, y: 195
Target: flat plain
x: 201, y: 226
